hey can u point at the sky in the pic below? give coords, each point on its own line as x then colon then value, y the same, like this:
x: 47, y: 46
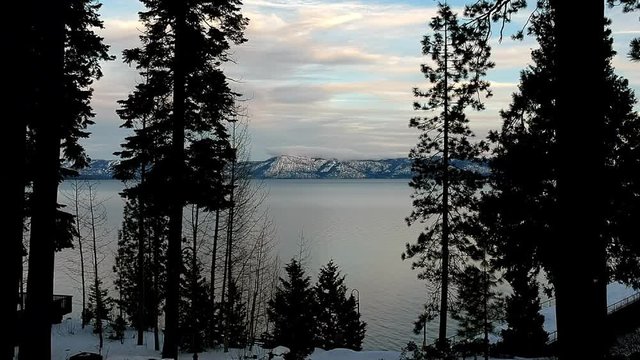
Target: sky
x: 330, y: 78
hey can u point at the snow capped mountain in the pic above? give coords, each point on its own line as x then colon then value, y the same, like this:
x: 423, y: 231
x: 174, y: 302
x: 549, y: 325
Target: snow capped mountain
x: 299, y: 167
x: 98, y: 169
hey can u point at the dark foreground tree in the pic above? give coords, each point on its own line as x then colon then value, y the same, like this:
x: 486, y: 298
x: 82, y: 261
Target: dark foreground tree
x: 337, y: 319
x: 17, y: 101
x: 553, y: 213
x: 291, y: 315
x: 141, y: 287
x: 478, y: 306
x: 67, y: 54
x: 442, y: 192
x: 524, y: 335
x: 185, y: 100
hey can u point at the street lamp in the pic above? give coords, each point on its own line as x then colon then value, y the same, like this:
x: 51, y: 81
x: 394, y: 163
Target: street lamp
x: 357, y: 297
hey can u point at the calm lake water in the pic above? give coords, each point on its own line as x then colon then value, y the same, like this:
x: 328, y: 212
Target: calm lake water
x: 357, y: 223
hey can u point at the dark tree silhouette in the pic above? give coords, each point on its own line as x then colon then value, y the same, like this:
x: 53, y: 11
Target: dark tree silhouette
x: 524, y: 335
x: 634, y: 51
x: 337, y: 319
x: 194, y: 303
x: 478, y: 305
x: 17, y: 101
x: 235, y: 318
x: 127, y: 266
x: 459, y: 61
x: 67, y: 54
x: 568, y: 142
x: 185, y: 100
x: 289, y: 311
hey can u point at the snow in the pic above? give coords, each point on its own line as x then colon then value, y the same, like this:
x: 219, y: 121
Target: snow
x: 68, y: 338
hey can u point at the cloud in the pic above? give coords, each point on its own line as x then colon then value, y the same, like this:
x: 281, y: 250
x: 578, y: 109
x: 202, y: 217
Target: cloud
x: 330, y: 78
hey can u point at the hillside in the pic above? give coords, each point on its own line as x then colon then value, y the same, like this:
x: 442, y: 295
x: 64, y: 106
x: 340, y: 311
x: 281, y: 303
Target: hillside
x: 299, y: 167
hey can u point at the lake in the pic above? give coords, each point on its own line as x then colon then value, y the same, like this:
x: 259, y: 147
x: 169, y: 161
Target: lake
x: 357, y: 223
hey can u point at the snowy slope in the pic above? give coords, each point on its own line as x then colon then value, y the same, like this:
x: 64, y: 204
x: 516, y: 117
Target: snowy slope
x: 299, y: 167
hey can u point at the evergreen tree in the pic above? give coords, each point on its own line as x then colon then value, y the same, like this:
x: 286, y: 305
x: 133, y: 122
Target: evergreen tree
x: 289, y: 312
x: 459, y: 57
x: 97, y: 312
x: 524, y: 189
x: 185, y: 101
x: 126, y: 266
x: 478, y: 306
x: 19, y: 100
x: 580, y: 144
x: 634, y: 51
x: 236, y: 318
x: 543, y: 123
x: 194, y: 305
x: 67, y: 55
x: 337, y: 320
x: 524, y: 335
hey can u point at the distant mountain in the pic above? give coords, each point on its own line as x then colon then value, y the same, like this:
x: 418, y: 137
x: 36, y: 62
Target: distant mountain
x: 98, y: 170
x: 299, y: 167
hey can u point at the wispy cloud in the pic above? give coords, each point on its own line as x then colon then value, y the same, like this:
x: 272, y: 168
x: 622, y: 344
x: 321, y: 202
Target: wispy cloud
x: 329, y: 78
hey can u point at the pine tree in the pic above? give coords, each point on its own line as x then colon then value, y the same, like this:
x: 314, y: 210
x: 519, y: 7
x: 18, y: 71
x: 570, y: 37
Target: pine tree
x: 442, y: 192
x: 67, y: 60
x: 19, y: 100
x: 235, y: 319
x: 289, y: 312
x: 546, y: 124
x: 99, y: 307
x: 194, y: 304
x: 337, y: 320
x: 524, y: 335
x: 478, y: 306
x: 185, y: 100
x: 127, y: 269
x: 528, y: 188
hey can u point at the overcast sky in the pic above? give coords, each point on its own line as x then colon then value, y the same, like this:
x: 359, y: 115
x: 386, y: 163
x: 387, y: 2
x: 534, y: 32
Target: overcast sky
x: 327, y: 78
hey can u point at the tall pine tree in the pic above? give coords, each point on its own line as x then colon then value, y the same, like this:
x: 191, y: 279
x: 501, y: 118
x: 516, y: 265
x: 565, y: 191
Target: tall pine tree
x: 186, y: 100
x: 67, y: 54
x: 442, y: 192
x: 291, y: 315
x: 525, y: 211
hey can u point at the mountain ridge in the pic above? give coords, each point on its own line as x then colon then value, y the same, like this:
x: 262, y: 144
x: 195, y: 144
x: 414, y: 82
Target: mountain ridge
x: 301, y: 167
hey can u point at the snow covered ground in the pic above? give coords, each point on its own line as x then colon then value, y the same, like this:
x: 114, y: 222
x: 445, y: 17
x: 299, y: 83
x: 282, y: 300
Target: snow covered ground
x: 68, y: 338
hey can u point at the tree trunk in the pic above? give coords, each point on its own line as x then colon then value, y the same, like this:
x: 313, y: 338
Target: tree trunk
x: 174, y: 252
x: 96, y: 279
x: 156, y: 291
x: 195, y: 214
x: 444, y: 290
x: 580, y: 284
x: 230, y: 243
x: 76, y: 202
x: 49, y: 71
x: 214, y: 253
x: 140, y: 259
x: 17, y: 101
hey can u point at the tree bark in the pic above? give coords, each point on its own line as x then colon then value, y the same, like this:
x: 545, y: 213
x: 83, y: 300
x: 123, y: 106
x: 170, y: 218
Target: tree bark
x: 174, y: 252
x: 580, y: 262
x: 16, y: 101
x: 47, y: 122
